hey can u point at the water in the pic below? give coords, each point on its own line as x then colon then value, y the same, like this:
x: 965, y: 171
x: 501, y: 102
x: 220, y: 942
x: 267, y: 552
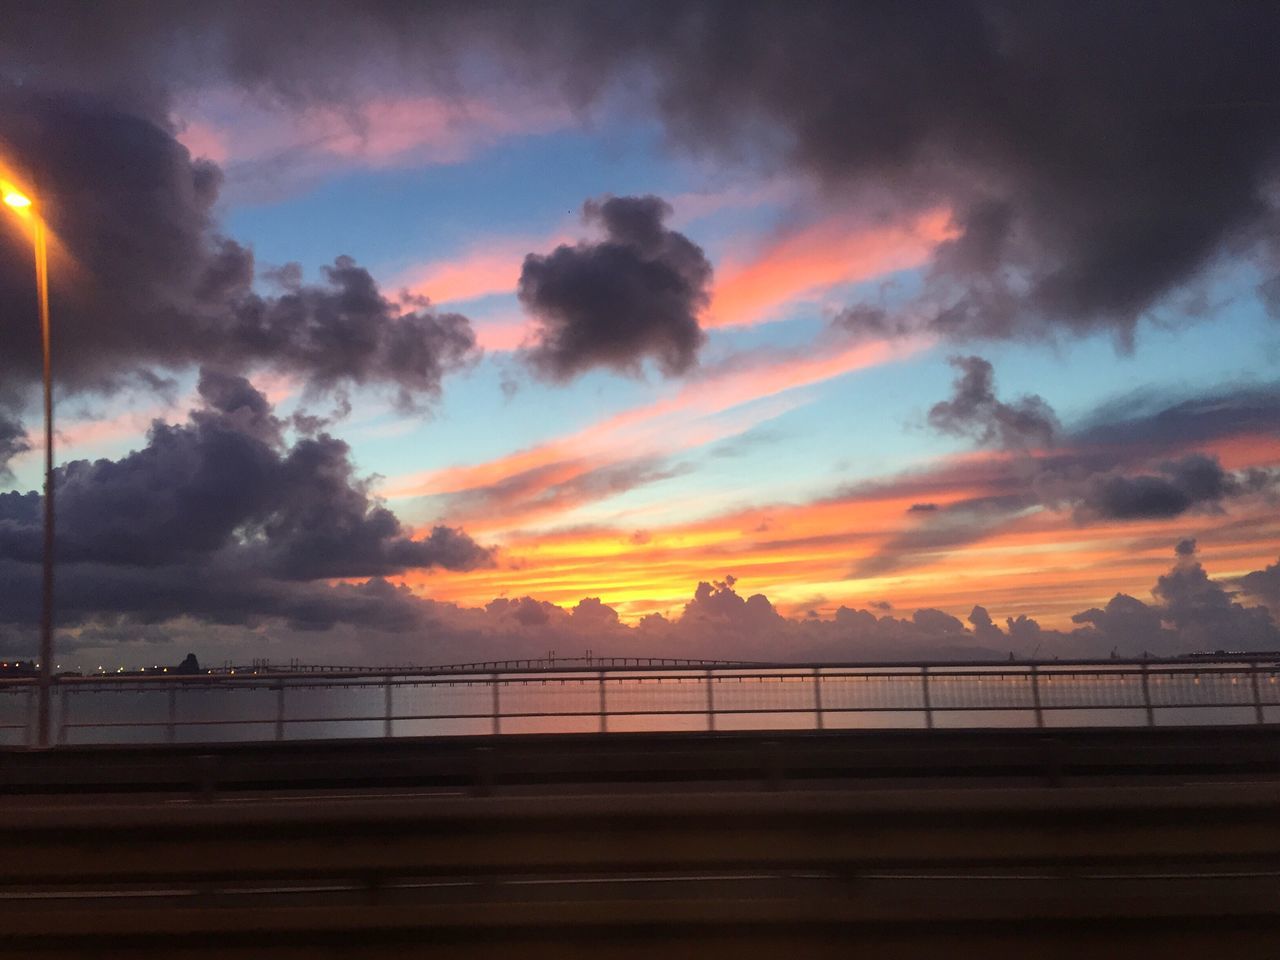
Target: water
x: 240, y: 709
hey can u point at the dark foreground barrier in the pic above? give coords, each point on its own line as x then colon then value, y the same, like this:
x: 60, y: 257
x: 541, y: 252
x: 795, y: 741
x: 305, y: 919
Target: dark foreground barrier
x: 1134, y: 853
x: 775, y: 759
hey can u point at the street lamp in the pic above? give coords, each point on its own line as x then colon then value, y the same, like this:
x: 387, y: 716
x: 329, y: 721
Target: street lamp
x: 23, y: 206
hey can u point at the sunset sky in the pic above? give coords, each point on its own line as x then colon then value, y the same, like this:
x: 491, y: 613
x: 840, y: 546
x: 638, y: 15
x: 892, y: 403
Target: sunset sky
x: 856, y: 310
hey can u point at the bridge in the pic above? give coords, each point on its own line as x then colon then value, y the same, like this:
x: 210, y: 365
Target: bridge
x: 640, y: 694
x: 1156, y: 838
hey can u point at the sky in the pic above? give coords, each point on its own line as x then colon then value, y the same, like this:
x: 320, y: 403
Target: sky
x: 443, y: 333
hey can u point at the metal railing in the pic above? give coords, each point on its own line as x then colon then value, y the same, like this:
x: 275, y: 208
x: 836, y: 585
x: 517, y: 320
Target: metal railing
x: 265, y: 705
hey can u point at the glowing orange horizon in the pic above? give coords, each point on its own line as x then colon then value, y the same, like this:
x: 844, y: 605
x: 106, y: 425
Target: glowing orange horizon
x: 1041, y: 562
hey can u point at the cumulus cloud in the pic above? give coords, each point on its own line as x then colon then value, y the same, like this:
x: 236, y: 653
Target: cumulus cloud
x: 1188, y: 612
x: 1204, y: 612
x: 635, y: 295
x: 13, y: 441
x: 142, y: 279
x: 974, y: 411
x: 220, y: 510
x: 1191, y: 612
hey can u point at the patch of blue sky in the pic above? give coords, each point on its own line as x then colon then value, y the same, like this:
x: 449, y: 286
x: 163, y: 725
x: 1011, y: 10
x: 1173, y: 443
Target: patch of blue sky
x: 392, y: 218
x: 1237, y: 345
x: 865, y: 424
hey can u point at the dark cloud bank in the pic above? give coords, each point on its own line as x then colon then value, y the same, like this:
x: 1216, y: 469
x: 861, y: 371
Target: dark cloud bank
x: 1098, y: 157
x: 1131, y: 460
x: 222, y: 520
x: 144, y: 284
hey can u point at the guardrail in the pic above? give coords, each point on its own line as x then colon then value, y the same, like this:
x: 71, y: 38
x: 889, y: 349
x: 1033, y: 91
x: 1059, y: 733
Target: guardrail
x: 595, y: 699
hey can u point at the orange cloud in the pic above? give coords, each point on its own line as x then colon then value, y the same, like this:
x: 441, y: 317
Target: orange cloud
x: 686, y: 419
x: 816, y: 258
x: 1040, y: 562
x: 1043, y: 564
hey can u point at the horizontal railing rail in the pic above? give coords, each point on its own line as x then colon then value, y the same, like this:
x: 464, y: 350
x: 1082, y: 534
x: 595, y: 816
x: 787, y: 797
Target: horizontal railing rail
x: 1019, y: 693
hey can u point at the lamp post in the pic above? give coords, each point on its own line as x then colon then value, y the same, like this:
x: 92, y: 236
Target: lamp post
x: 21, y: 204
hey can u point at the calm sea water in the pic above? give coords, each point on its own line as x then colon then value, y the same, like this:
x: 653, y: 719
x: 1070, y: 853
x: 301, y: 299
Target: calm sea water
x: 139, y: 712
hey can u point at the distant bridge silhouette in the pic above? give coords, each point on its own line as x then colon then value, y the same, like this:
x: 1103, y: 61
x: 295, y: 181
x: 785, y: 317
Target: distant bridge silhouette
x: 549, y: 662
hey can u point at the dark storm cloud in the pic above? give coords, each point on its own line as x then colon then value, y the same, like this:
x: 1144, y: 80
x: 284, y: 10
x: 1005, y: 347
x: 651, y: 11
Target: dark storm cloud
x: 219, y: 510
x: 13, y: 441
x: 1193, y: 482
x: 95, y: 593
x: 1146, y: 421
x: 974, y: 411
x: 633, y: 296
x: 1097, y: 157
x: 142, y: 280
x: 1126, y: 461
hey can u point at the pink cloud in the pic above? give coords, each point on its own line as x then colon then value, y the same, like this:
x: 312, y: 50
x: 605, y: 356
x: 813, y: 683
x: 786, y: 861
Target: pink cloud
x: 493, y: 266
x: 230, y: 127
x: 486, y: 268
x: 804, y: 263
x: 501, y: 336
x: 203, y: 140
x: 479, y: 273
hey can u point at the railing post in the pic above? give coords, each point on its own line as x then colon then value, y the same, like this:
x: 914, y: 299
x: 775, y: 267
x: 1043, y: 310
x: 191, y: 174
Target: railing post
x: 497, y: 721
x: 280, y: 711
x: 1035, y: 695
x: 1257, y: 695
x: 1146, y: 698
x: 817, y: 697
x: 928, y: 703
x: 386, y: 720
x: 171, y: 731
x: 64, y: 705
x: 711, y: 703
x: 604, y: 707
x: 33, y: 721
